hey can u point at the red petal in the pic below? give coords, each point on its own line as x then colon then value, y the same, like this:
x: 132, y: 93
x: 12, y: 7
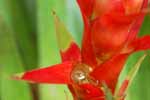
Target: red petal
x: 136, y: 26
x: 87, y: 52
x: 91, y: 92
x: 87, y: 92
x: 110, y: 70
x: 104, y: 28
x: 132, y: 6
x: 107, y: 6
x: 86, y: 7
x: 71, y: 54
x: 56, y: 74
x: 142, y: 43
x: 106, y: 38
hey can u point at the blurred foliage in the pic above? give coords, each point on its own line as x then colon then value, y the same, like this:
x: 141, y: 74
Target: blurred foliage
x: 28, y: 40
x: 140, y: 87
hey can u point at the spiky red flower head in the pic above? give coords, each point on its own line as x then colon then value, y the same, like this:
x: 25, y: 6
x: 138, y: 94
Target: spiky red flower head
x: 110, y: 29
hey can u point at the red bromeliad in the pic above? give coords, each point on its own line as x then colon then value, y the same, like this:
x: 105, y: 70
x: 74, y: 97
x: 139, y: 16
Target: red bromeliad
x: 110, y: 36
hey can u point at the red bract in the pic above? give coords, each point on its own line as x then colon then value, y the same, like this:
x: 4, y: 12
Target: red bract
x: 113, y: 24
x: 110, y: 36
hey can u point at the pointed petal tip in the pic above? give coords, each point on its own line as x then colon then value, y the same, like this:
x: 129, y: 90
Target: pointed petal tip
x: 53, y: 12
x: 64, y: 37
x: 17, y: 76
x: 56, y: 74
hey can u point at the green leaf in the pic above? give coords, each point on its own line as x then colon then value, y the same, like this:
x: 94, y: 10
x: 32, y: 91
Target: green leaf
x: 74, y: 20
x: 141, y: 82
x: 107, y: 92
x: 64, y: 38
x: 47, y: 46
x: 129, y: 78
x: 135, y: 69
x: 10, y: 63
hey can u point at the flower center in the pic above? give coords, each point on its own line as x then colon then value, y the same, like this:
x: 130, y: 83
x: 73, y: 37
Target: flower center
x: 80, y: 73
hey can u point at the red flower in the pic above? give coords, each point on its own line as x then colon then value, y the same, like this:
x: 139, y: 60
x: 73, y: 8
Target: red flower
x: 110, y: 36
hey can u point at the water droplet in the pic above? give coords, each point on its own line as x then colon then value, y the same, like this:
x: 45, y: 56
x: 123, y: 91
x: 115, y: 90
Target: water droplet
x: 80, y: 73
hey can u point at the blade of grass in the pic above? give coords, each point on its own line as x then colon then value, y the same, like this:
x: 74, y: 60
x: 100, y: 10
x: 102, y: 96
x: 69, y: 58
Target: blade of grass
x: 18, y: 21
x: 139, y: 90
x: 48, y: 49
x: 141, y: 85
x: 20, y: 48
x: 74, y: 20
x: 10, y: 62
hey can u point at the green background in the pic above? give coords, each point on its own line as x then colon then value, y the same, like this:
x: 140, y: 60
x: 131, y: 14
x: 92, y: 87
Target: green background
x: 27, y: 41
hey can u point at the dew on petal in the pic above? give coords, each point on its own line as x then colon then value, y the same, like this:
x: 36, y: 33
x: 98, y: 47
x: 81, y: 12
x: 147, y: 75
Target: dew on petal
x: 80, y: 73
